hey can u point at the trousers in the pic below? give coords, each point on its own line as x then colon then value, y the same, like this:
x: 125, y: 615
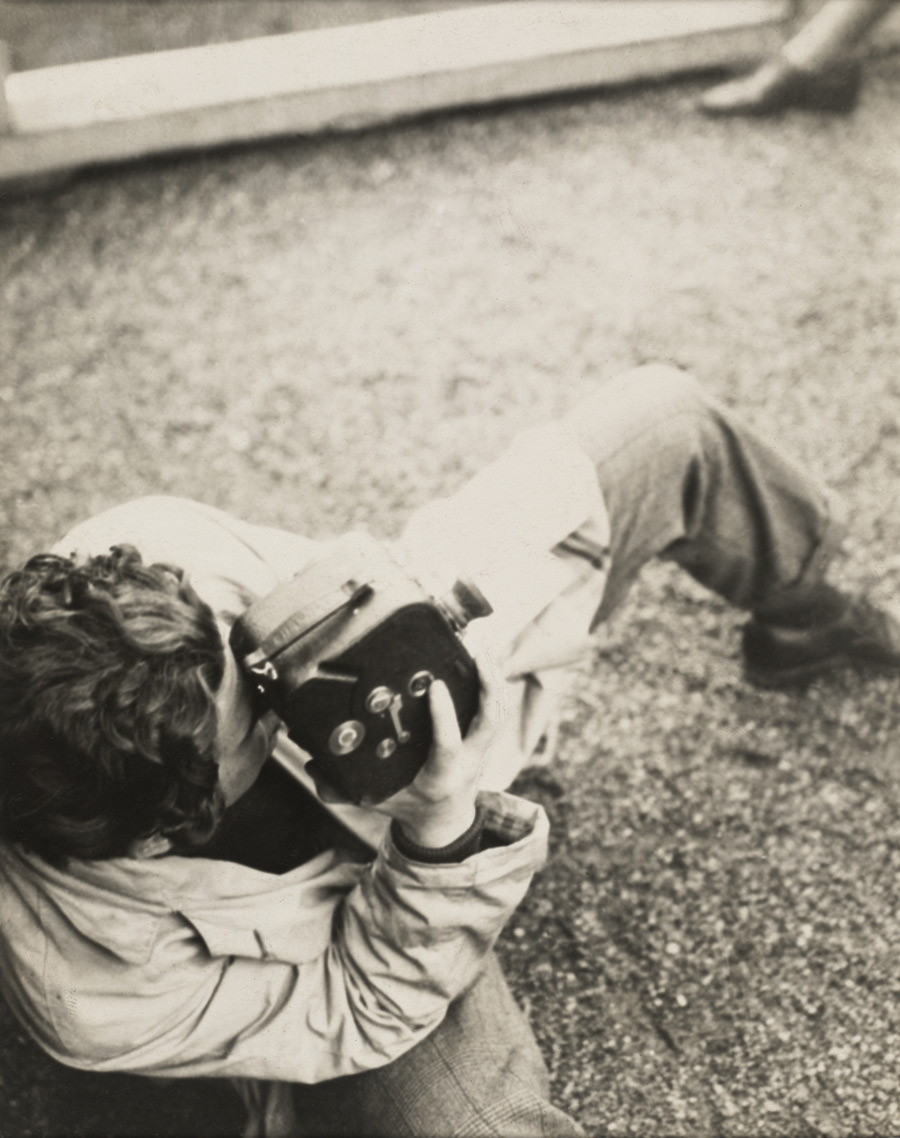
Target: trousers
x: 685, y: 480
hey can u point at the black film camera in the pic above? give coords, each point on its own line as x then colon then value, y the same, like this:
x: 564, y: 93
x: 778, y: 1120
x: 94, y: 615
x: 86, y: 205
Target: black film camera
x: 345, y: 652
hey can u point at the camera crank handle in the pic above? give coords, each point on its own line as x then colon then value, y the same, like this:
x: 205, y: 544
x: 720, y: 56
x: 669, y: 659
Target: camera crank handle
x: 403, y: 736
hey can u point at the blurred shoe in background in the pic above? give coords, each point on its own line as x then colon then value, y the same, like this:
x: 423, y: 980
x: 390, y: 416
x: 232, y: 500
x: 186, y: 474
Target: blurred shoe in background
x: 814, y: 70
x: 778, y: 84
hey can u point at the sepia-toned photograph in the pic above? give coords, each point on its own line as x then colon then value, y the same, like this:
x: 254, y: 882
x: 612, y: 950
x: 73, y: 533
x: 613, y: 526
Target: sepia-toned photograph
x: 449, y: 568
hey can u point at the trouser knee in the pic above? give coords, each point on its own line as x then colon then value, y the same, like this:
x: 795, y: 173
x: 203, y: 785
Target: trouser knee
x: 682, y: 476
x: 664, y: 388
x: 656, y: 414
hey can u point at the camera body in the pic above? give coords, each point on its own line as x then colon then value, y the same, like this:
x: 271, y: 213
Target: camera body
x: 345, y: 652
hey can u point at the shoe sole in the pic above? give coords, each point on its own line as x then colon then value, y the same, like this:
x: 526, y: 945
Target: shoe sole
x: 804, y: 674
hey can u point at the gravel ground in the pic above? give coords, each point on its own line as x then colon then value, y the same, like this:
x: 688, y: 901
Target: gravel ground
x: 325, y: 333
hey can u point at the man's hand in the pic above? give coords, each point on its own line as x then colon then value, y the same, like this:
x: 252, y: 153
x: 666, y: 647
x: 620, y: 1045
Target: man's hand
x: 439, y: 804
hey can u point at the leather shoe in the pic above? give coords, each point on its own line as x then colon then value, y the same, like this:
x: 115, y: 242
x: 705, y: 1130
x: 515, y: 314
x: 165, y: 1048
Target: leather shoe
x: 786, y: 652
x: 777, y: 85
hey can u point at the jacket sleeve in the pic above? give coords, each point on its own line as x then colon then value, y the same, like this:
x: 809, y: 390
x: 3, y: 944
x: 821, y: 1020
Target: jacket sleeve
x: 404, y: 941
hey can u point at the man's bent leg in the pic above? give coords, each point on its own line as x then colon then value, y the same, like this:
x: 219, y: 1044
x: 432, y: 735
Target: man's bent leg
x: 479, y: 1074
x: 685, y: 480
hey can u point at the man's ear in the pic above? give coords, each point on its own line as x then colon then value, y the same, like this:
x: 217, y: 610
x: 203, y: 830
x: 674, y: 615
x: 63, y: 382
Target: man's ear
x: 153, y: 846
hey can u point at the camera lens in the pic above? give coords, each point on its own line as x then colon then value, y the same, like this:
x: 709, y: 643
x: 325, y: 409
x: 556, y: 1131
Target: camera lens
x: 463, y: 603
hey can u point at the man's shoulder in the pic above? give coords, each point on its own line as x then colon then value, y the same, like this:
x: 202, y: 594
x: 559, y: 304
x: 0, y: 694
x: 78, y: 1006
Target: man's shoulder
x: 208, y: 543
x: 152, y: 519
x: 73, y: 920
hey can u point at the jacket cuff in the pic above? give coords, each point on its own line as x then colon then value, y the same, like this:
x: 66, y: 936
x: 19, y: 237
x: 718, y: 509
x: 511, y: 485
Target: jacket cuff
x: 462, y: 847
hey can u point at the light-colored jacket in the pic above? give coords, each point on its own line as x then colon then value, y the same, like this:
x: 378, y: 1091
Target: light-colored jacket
x: 183, y: 966
x: 175, y: 966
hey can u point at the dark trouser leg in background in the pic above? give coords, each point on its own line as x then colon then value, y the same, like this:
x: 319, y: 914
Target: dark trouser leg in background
x: 683, y: 479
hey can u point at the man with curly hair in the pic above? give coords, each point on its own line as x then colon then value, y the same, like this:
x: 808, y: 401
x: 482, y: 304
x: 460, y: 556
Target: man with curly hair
x: 110, y: 665
x: 178, y: 902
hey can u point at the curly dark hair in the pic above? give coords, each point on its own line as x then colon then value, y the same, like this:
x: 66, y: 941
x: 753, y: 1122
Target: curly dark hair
x: 108, y: 674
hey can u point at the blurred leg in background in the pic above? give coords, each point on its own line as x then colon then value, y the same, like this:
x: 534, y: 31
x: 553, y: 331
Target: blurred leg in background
x: 814, y: 70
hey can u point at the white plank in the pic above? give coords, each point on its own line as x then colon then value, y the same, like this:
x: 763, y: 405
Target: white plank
x: 346, y: 77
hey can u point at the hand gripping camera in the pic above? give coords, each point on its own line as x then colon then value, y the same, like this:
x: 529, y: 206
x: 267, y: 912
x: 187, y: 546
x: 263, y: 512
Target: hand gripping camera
x: 345, y: 652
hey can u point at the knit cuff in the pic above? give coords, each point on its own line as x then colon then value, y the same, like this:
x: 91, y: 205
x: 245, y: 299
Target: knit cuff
x: 462, y: 847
